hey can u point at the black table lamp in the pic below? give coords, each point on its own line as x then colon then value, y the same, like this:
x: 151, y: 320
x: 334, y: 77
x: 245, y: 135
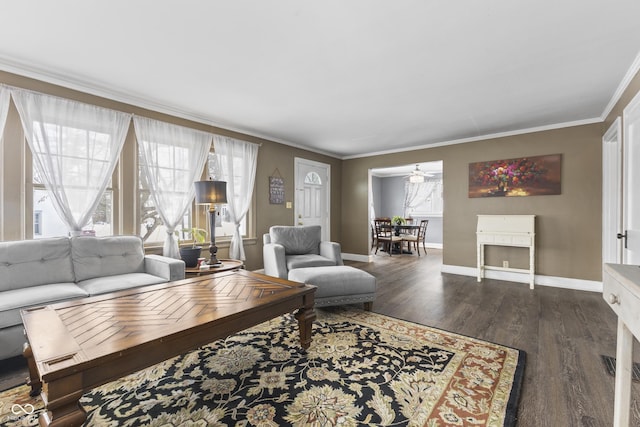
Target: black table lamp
x: 210, y: 193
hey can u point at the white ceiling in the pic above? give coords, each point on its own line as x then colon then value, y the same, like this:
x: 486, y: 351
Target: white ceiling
x: 340, y: 77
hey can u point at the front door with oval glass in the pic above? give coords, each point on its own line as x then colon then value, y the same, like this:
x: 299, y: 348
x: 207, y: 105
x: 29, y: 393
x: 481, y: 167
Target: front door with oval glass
x: 313, y: 194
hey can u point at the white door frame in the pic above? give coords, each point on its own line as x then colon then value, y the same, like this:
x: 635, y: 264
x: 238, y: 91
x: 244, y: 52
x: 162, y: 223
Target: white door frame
x: 631, y: 174
x: 299, y: 187
x: 612, y: 193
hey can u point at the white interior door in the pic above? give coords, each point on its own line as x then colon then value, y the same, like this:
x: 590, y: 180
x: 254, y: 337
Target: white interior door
x: 612, y: 193
x: 631, y: 183
x: 313, y: 192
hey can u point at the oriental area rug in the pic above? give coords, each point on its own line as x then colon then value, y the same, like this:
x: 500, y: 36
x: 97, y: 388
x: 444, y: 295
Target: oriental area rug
x: 362, y: 369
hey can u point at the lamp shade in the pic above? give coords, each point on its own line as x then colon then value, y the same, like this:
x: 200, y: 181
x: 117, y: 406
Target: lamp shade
x: 210, y: 192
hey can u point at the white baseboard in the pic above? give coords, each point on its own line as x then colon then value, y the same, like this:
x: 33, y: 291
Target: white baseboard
x: 357, y: 257
x: 433, y: 245
x: 557, y: 282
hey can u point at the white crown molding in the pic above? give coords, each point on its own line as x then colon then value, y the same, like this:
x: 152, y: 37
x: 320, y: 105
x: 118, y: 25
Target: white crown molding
x: 480, y: 138
x: 553, y: 281
x: 98, y: 89
x: 631, y: 72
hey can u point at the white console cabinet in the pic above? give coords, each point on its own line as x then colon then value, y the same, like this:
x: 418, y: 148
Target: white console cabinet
x: 506, y: 230
x: 621, y: 290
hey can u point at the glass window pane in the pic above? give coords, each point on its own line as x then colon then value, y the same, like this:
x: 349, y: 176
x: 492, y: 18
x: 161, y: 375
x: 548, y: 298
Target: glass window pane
x: 312, y: 178
x: 152, y: 228
x: 47, y: 222
x: 224, y: 226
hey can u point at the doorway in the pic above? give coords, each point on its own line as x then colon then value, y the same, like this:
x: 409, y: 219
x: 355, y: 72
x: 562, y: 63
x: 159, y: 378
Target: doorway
x: 313, y: 194
x: 620, y: 189
x: 387, y: 196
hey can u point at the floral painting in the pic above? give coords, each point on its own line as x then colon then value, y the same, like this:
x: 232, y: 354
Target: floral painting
x: 525, y: 176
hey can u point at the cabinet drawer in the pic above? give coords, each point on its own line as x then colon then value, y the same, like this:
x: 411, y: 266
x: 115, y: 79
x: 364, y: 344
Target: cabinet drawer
x: 623, y: 301
x: 505, y: 239
x: 522, y: 240
x: 486, y: 238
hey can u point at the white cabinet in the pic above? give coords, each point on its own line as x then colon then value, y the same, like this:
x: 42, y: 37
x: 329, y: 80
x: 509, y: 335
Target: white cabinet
x: 506, y: 230
x: 621, y: 290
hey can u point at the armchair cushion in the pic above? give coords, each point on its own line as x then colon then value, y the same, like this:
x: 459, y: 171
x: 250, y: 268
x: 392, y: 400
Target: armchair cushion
x: 308, y: 260
x: 297, y: 240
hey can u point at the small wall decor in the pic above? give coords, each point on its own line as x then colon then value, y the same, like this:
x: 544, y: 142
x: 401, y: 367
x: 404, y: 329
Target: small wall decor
x: 276, y: 188
x: 525, y: 176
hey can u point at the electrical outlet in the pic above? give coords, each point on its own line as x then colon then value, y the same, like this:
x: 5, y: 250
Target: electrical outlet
x: 505, y: 264
x: 289, y: 205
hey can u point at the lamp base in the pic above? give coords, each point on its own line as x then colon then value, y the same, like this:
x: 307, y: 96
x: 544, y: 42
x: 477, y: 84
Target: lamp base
x: 213, y: 260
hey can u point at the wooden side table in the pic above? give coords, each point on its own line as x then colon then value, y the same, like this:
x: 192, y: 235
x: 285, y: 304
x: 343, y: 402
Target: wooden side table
x: 227, y: 265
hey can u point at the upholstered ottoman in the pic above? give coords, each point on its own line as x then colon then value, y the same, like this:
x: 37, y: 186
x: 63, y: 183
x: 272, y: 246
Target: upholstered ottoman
x: 338, y: 285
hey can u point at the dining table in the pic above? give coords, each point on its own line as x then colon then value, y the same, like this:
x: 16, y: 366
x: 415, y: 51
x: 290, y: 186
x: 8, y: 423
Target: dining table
x: 399, y: 230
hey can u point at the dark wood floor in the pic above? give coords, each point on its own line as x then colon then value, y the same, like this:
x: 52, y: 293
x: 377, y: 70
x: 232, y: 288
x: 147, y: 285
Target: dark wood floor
x: 563, y: 332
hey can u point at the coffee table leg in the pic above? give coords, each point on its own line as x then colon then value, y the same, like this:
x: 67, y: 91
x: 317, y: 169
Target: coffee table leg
x: 306, y: 315
x: 63, y: 407
x: 34, y: 378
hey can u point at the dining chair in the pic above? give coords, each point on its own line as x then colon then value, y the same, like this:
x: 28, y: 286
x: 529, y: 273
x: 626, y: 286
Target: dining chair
x: 420, y: 237
x: 385, y: 235
x: 374, y: 236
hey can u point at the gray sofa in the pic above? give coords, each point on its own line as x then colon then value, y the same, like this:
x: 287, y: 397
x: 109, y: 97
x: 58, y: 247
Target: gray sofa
x: 287, y: 248
x: 45, y: 271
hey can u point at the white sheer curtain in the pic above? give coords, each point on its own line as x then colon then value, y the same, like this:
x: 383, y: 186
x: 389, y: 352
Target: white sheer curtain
x: 238, y: 161
x: 416, y: 194
x: 172, y: 158
x: 75, y: 148
x: 4, y: 107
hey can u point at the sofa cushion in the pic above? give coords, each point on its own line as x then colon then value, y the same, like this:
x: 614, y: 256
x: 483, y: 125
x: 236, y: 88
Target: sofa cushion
x: 11, y: 302
x: 106, y: 256
x: 103, y: 285
x: 35, y: 262
x: 303, y: 261
x: 297, y: 240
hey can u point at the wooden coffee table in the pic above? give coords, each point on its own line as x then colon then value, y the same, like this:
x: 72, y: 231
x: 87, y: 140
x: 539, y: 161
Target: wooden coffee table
x: 78, y: 345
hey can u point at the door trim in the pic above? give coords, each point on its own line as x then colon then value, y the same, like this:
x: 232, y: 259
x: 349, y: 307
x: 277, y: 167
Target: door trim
x: 630, y: 118
x: 612, y: 192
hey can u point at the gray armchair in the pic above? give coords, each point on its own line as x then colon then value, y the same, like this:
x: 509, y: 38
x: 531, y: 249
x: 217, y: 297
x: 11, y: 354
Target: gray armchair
x: 287, y: 248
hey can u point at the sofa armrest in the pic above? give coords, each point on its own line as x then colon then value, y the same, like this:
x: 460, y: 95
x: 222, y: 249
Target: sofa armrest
x: 275, y: 262
x: 331, y: 250
x: 168, y: 268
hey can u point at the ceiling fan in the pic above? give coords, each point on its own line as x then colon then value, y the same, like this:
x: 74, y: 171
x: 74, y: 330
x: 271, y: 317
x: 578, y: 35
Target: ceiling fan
x: 417, y: 176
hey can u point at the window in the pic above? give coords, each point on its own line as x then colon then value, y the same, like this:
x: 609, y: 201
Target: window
x: 152, y: 228
x: 224, y: 226
x: 82, y: 144
x: 313, y: 178
x: 45, y: 216
x: 433, y: 204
